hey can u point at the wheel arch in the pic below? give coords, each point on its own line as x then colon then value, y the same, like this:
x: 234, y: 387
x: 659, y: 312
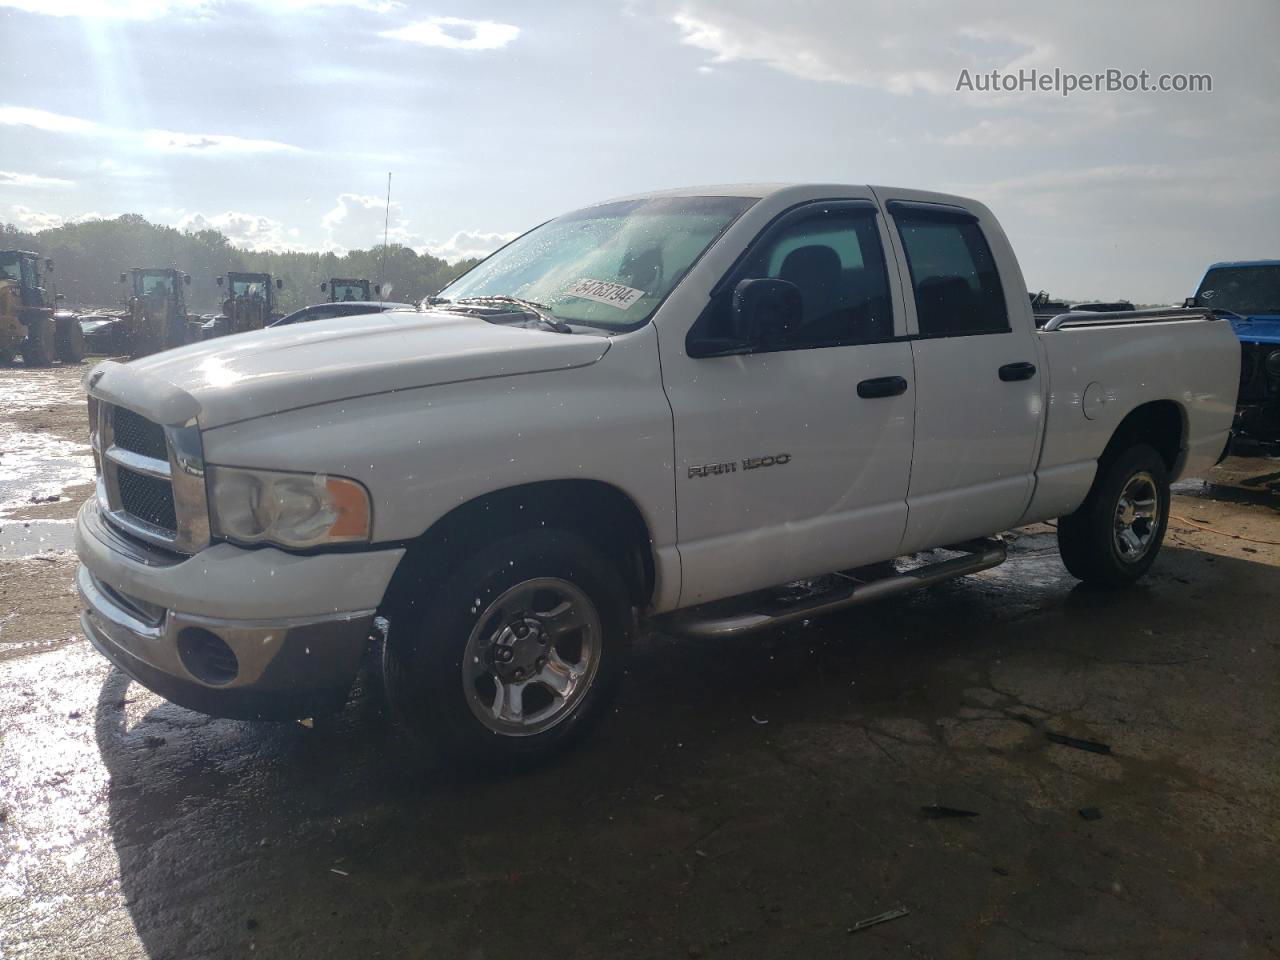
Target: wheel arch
x: 1161, y: 424
x: 600, y: 512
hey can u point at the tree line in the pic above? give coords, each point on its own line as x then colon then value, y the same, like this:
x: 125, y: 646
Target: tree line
x: 89, y: 257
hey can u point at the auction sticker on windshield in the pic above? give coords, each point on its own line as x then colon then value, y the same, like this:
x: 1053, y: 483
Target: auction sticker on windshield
x: 601, y: 291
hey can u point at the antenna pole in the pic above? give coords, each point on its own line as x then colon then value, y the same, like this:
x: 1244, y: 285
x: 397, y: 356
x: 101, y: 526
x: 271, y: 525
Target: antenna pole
x: 386, y: 232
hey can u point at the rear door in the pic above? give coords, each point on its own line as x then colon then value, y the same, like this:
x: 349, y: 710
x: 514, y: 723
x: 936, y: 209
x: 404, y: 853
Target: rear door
x: 792, y: 459
x: 979, y: 401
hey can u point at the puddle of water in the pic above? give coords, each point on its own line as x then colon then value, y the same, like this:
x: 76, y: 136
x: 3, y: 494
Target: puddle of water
x: 26, y: 538
x: 39, y: 465
x: 35, y: 464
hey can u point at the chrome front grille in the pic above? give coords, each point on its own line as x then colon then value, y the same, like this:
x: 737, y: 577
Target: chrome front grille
x: 151, y: 480
x: 138, y: 434
x: 148, y: 498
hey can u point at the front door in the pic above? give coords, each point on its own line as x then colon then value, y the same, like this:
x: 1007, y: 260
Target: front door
x: 792, y: 458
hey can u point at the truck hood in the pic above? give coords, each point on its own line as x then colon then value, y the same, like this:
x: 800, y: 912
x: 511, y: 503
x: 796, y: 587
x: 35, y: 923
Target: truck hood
x: 251, y: 375
x: 1258, y: 328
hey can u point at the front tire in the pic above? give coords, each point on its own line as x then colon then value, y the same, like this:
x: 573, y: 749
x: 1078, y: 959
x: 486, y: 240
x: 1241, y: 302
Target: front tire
x: 1113, y: 538
x: 513, y: 655
x: 71, y: 343
x: 39, y: 348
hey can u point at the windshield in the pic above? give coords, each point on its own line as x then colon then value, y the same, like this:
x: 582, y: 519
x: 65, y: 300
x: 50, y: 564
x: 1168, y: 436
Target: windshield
x: 10, y: 270
x: 248, y: 288
x: 1242, y: 290
x: 156, y: 285
x: 607, y: 266
x: 350, y: 291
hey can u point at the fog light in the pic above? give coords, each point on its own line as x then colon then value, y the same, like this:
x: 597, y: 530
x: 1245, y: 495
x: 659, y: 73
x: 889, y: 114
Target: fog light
x: 207, y: 657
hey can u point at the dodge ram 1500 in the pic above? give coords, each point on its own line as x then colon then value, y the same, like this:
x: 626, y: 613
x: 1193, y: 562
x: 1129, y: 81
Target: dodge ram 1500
x: 705, y: 411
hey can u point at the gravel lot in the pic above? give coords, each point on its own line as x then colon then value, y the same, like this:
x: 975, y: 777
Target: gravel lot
x: 748, y: 799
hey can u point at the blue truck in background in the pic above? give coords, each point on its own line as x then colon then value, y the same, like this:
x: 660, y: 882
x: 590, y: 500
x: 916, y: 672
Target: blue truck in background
x: 1247, y: 292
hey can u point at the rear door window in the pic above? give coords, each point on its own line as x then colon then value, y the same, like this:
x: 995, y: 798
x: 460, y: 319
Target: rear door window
x: 953, y: 274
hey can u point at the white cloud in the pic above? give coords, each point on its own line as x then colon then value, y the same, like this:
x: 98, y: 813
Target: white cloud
x: 155, y: 9
x: 455, y: 33
x: 193, y: 144
x: 212, y: 143
x: 44, y: 120
x: 31, y: 180
x: 466, y: 244
x: 357, y: 222
x: 36, y: 220
x: 247, y: 230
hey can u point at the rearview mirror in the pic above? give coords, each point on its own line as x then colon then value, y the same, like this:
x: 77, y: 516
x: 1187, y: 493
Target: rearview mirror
x: 324, y: 286
x: 765, y: 308
x: 48, y: 266
x: 279, y: 284
x: 377, y: 288
x: 219, y: 281
x: 186, y: 278
x: 124, y: 277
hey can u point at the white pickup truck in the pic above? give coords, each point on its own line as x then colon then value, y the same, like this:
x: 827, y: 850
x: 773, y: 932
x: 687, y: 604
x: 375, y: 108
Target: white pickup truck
x: 708, y: 411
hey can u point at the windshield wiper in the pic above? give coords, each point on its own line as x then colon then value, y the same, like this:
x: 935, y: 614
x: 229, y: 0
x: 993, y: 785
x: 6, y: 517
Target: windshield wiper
x: 538, y: 310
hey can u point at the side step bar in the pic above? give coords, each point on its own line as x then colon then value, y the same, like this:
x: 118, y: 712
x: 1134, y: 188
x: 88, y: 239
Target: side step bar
x: 718, y: 619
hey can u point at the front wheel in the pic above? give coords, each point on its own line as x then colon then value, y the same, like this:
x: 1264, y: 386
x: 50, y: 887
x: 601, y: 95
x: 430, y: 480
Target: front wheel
x: 40, y: 347
x: 71, y: 343
x: 1113, y: 538
x: 513, y: 655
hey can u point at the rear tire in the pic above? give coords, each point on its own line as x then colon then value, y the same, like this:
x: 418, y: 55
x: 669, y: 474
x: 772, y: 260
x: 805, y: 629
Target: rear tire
x: 511, y: 657
x: 71, y: 343
x: 1113, y: 538
x: 39, y: 348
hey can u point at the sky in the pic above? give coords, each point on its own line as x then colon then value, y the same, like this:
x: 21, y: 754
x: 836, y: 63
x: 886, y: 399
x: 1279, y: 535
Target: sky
x: 277, y: 121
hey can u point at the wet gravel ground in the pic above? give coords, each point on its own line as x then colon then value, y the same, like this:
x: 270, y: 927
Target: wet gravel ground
x: 747, y: 799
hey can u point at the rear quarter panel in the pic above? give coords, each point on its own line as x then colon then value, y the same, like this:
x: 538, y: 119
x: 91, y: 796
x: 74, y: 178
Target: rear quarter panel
x: 1098, y: 375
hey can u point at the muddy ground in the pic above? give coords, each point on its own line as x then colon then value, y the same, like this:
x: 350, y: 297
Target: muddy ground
x: 747, y: 799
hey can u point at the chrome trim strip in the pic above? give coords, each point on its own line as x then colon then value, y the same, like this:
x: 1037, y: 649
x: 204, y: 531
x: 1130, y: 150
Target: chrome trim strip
x: 138, y: 463
x: 1086, y: 318
x: 108, y: 609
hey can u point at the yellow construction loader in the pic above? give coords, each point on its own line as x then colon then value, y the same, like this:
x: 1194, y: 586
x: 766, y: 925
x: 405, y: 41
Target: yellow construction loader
x: 27, y: 322
x: 157, y: 318
x: 250, y: 304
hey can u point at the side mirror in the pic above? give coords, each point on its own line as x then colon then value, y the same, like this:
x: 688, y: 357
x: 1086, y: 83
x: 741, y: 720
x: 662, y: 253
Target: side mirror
x: 1189, y: 302
x: 377, y: 288
x: 324, y: 286
x: 279, y: 284
x: 48, y: 266
x: 219, y: 281
x: 186, y: 278
x: 61, y: 296
x: 124, y: 277
x: 765, y: 308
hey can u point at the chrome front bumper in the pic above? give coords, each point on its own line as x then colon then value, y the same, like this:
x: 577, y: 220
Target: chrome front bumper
x: 233, y: 656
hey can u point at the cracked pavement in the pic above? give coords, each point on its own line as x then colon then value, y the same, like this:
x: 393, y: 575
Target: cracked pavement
x: 749, y: 798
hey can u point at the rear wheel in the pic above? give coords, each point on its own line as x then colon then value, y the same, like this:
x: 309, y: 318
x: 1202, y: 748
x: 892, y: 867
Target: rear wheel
x: 71, y: 344
x: 1115, y: 535
x: 515, y: 654
x: 39, y: 348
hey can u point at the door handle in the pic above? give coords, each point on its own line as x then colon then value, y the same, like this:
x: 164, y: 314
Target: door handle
x: 1017, y: 371
x: 882, y: 387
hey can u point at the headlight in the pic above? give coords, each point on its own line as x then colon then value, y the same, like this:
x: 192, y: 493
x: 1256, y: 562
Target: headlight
x: 295, y: 510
